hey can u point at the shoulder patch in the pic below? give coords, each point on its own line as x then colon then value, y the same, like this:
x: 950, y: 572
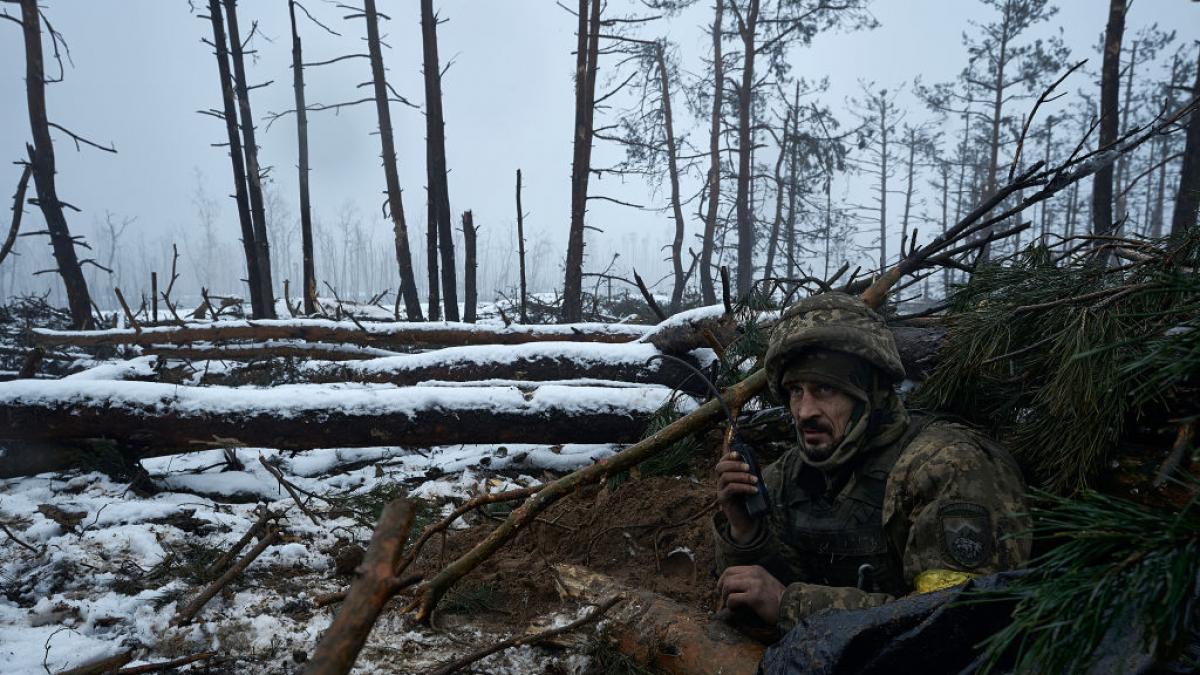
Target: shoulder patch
x: 966, y: 533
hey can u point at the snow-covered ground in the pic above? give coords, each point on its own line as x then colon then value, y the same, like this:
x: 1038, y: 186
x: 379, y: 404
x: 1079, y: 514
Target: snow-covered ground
x: 92, y: 569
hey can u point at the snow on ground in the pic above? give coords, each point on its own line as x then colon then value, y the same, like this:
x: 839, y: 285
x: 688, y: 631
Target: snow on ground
x: 108, y: 568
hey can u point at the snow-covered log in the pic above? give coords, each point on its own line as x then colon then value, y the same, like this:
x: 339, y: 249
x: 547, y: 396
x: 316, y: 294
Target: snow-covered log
x: 382, y: 335
x: 47, y: 418
x: 256, y: 351
x: 547, y: 361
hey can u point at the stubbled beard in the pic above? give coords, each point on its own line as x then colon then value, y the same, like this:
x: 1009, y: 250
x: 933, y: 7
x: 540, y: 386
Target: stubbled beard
x: 823, y: 450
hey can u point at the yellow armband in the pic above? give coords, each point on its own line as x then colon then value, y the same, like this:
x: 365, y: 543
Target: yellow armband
x: 936, y: 580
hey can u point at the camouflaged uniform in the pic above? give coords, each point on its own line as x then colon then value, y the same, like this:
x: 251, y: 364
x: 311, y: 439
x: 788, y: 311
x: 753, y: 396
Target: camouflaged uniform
x: 916, y: 503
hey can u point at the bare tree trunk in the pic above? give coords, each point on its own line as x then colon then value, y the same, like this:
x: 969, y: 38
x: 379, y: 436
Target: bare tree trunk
x: 435, y: 143
x: 794, y: 189
x: 908, y: 190
x: 1187, y: 200
x: 747, y: 29
x: 1160, y: 193
x: 997, y: 117
x: 1110, y: 90
x: 469, y: 267
x: 434, y: 301
x: 310, y: 270
x: 41, y: 157
x: 408, y: 286
x: 521, y: 251
x: 262, y: 251
x: 707, y: 292
x: 673, y: 171
x: 777, y: 221
x: 1123, y: 162
x: 1050, y: 121
x: 883, y: 163
x: 945, y: 171
x: 229, y: 111
x: 586, y: 64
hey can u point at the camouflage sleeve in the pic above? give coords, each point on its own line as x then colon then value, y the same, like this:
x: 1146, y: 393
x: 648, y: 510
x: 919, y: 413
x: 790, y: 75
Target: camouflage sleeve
x: 764, y: 544
x: 952, y: 505
x: 801, y: 600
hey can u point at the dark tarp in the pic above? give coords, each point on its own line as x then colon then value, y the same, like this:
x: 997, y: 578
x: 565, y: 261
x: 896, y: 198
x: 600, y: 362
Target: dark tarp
x: 927, y: 633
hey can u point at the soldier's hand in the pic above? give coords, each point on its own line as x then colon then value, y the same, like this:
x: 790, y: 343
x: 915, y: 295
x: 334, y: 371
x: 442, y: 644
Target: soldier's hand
x: 734, y: 483
x: 753, y: 587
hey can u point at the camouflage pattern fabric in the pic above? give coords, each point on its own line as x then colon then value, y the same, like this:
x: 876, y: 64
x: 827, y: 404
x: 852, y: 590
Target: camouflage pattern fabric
x: 831, y: 321
x: 949, y: 500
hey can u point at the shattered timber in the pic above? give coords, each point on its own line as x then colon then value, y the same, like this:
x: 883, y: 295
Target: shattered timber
x: 359, y: 482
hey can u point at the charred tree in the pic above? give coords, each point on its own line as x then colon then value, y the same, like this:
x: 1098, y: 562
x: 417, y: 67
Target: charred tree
x: 521, y: 251
x: 262, y: 250
x: 41, y: 158
x: 306, y: 235
x: 470, y: 266
x: 229, y: 115
x: 586, y: 65
x: 395, y: 204
x: 435, y: 162
x: 1110, y: 90
x: 1187, y: 200
x: 707, y: 292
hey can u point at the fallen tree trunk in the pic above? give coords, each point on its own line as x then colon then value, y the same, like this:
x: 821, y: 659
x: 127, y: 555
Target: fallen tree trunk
x: 658, y: 632
x: 46, y: 418
x: 537, y: 362
x: 383, y: 335
x: 270, y: 349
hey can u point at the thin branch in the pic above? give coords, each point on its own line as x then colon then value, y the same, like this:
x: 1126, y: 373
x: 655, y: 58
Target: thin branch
x: 80, y: 139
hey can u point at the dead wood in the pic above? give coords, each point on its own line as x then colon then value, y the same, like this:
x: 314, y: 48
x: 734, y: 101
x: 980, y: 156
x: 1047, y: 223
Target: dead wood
x: 107, y: 664
x: 291, y: 489
x: 31, y: 362
x: 658, y: 632
x: 18, y: 211
x: 49, y: 433
x: 533, y: 364
x: 517, y: 641
x: 268, y: 350
x: 463, y: 509
x: 185, y: 615
x: 383, y: 335
x: 255, y: 530
x: 680, y: 338
x: 133, y: 322
x: 30, y: 548
x: 374, y: 587
x: 166, y: 665
x: 648, y: 297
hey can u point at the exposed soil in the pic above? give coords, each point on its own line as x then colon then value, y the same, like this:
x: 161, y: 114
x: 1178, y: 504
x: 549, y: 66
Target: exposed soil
x: 653, y: 533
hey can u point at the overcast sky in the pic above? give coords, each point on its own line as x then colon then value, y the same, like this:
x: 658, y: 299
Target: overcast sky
x: 140, y: 73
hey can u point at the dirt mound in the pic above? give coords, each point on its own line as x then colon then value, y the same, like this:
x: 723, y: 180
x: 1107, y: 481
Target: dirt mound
x: 652, y: 533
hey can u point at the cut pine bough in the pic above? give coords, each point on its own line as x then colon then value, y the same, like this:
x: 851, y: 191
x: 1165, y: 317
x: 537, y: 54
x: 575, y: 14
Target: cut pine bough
x: 46, y: 425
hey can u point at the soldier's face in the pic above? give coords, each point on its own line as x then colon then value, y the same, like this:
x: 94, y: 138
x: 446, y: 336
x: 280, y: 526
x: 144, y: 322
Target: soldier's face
x: 822, y: 414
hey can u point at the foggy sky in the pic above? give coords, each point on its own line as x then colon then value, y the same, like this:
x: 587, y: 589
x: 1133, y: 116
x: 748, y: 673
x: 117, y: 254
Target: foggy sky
x: 140, y: 73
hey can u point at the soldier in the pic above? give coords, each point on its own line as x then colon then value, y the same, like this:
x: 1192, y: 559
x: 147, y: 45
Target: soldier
x: 872, y: 503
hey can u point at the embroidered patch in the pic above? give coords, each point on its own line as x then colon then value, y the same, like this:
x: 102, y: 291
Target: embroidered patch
x: 966, y: 533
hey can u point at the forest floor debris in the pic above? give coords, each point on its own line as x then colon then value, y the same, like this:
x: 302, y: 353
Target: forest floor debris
x: 114, y: 581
